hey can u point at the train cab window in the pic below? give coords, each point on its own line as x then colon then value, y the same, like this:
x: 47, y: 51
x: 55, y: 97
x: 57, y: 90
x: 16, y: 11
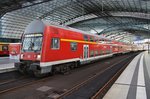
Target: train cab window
x: 55, y: 43
x: 73, y: 46
x: 91, y: 39
x: 85, y: 37
x: 4, y: 48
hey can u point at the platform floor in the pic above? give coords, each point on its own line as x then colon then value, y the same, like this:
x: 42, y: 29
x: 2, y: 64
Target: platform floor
x: 6, y: 64
x: 134, y: 82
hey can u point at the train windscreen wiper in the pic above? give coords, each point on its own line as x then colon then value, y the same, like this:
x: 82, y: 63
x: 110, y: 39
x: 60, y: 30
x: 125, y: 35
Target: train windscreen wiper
x: 31, y: 46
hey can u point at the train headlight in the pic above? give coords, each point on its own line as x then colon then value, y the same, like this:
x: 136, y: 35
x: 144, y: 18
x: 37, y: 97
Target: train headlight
x: 21, y: 56
x: 38, y: 57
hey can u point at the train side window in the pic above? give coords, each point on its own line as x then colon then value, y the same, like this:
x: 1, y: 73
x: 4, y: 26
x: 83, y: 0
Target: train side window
x: 101, y: 52
x: 85, y: 37
x: 73, y: 46
x: 96, y: 40
x: 55, y: 42
x: 91, y: 39
x: 91, y: 53
x: 4, y: 48
x: 108, y: 52
x: 96, y: 52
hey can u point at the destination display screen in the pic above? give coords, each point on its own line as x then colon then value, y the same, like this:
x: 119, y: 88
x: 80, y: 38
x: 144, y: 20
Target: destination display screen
x: 33, y: 35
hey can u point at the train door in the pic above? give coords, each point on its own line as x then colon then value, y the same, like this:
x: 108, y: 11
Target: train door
x: 85, y: 51
x: 111, y: 49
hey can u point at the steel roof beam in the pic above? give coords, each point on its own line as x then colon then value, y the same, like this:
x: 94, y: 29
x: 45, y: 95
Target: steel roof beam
x: 113, y: 14
x: 124, y: 28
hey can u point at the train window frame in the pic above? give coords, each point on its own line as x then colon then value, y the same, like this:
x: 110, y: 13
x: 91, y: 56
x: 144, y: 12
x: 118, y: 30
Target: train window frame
x: 96, y: 39
x: 92, y: 53
x: 53, y: 44
x: 96, y: 52
x: 4, y: 47
x: 91, y: 39
x: 73, y: 46
x: 85, y: 37
x: 101, y: 52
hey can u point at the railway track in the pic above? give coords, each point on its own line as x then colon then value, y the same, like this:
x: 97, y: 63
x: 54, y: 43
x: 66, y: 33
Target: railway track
x: 87, y: 90
x: 11, y: 81
x: 102, y: 91
x: 21, y: 82
x: 9, y: 86
x: 9, y: 76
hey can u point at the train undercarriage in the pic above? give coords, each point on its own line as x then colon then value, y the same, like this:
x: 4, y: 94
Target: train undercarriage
x: 33, y: 68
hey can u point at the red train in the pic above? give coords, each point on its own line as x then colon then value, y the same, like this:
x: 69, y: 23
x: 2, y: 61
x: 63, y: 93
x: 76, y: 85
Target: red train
x: 14, y: 50
x: 4, y: 49
x: 48, y: 48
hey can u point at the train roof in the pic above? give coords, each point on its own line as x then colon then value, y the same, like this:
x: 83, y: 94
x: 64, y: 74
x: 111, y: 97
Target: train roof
x: 73, y: 29
x: 39, y: 25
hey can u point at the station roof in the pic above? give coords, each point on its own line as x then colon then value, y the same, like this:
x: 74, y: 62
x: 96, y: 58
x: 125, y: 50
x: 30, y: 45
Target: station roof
x: 124, y: 20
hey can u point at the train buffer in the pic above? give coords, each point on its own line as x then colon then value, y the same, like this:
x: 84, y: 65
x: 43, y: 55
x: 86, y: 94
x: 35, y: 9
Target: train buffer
x: 134, y: 82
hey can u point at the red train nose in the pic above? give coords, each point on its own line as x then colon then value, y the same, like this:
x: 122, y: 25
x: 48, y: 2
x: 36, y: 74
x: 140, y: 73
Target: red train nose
x: 30, y: 56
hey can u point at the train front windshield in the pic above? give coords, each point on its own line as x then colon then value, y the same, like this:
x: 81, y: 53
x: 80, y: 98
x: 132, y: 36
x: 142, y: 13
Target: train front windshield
x: 32, y: 42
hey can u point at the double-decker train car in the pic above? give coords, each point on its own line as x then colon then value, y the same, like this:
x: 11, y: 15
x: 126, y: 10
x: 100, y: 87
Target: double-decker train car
x: 14, y: 50
x: 4, y: 49
x: 48, y: 48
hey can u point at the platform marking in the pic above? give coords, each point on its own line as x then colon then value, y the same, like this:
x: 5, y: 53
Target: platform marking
x: 146, y: 73
x: 141, y: 91
x: 147, y: 62
x: 133, y: 85
x: 120, y: 89
x: 141, y: 80
x: 127, y: 75
x: 117, y: 91
x: 44, y: 88
x: 53, y: 95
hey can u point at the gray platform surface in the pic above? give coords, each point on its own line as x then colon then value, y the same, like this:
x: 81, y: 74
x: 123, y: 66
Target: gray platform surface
x: 134, y: 82
x: 6, y: 64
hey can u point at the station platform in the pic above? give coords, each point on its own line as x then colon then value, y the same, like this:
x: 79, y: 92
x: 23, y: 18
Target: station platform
x: 134, y: 82
x: 6, y: 64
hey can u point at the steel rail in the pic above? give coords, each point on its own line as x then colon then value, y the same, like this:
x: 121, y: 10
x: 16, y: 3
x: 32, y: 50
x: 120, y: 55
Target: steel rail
x: 101, y: 92
x: 24, y: 85
x: 10, y: 81
x: 76, y: 87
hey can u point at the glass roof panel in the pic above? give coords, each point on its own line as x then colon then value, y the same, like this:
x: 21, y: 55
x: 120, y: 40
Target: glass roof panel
x: 81, y: 14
